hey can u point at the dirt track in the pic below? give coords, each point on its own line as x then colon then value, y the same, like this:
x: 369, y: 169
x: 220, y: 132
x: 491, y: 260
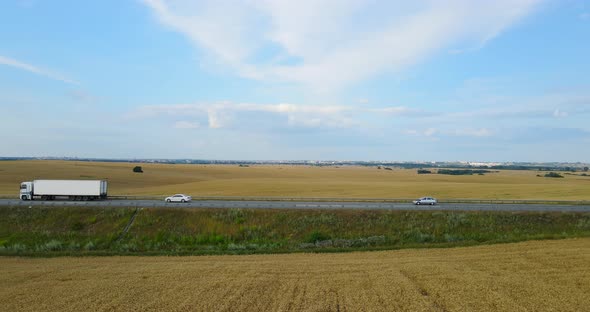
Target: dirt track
x: 530, y: 276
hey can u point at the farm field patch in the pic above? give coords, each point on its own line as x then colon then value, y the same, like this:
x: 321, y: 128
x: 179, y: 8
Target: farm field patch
x: 528, y: 276
x: 297, y: 181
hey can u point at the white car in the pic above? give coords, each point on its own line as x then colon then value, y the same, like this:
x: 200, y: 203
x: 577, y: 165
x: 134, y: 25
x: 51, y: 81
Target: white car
x: 178, y: 198
x: 425, y: 201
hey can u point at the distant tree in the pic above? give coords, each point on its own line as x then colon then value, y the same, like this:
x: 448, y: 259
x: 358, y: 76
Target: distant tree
x: 553, y: 175
x: 585, y: 168
x: 463, y: 171
x: 424, y: 171
x: 137, y: 169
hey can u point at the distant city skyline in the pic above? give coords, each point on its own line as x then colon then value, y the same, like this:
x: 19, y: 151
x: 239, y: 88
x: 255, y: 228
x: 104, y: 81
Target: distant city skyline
x: 546, y: 166
x: 479, y: 81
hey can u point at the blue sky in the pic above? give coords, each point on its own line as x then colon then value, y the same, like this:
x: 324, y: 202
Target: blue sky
x: 505, y: 80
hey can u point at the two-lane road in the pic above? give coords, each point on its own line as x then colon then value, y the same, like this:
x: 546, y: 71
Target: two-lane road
x: 299, y: 205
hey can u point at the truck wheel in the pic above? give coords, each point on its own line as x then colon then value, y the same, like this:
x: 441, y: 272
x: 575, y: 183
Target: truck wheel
x: 24, y: 197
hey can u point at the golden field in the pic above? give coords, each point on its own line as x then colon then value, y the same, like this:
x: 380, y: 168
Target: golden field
x: 296, y: 181
x: 529, y: 276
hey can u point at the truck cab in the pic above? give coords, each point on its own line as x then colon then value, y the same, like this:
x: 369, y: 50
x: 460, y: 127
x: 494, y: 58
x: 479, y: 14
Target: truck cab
x: 26, y: 190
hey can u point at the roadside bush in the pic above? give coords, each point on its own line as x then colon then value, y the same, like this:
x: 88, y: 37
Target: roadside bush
x: 317, y: 236
x: 52, y: 245
x: 417, y: 236
x: 232, y: 246
x: 128, y: 247
x: 453, y: 238
x: 137, y: 169
x: 233, y: 215
x: 77, y: 226
x: 16, y: 247
x: 424, y: 171
x: 89, y: 246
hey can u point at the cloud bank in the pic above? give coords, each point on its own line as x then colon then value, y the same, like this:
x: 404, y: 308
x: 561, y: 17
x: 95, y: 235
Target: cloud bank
x: 330, y: 44
x: 35, y: 70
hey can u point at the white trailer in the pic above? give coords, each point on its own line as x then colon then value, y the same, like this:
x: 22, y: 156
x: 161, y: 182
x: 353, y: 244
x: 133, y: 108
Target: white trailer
x: 71, y: 189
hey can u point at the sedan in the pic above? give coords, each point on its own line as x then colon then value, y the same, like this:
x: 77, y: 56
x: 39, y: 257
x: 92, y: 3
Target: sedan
x: 425, y: 201
x: 178, y: 198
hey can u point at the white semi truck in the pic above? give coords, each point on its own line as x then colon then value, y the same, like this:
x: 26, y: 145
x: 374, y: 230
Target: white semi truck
x: 70, y: 189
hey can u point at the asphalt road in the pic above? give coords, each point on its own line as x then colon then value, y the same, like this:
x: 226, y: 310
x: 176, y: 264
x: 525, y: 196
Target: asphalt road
x: 299, y: 205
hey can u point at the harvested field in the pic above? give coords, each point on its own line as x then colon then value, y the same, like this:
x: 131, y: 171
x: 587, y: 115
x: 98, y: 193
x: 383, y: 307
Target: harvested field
x: 296, y: 181
x: 529, y: 276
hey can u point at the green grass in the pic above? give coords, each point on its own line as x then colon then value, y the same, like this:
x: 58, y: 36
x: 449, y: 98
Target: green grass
x: 60, y: 229
x: 96, y: 231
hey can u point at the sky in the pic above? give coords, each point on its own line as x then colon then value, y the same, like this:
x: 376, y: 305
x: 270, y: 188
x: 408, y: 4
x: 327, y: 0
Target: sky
x: 456, y: 80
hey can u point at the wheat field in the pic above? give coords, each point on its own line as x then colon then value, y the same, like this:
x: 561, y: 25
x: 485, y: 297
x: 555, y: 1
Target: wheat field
x: 295, y: 181
x: 529, y: 276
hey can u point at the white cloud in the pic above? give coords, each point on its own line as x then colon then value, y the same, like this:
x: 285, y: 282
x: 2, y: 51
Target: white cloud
x: 559, y: 114
x: 468, y: 132
x: 535, y: 109
x: 430, y: 132
x: 186, y: 125
x: 329, y: 44
x: 217, y: 119
x: 34, y: 69
x: 401, y: 111
x: 221, y: 115
x: 482, y: 132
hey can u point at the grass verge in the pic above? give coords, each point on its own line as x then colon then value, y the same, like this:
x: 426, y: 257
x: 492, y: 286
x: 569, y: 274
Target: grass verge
x: 54, y: 231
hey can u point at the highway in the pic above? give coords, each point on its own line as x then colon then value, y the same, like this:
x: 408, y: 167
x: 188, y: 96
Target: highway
x: 298, y: 205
